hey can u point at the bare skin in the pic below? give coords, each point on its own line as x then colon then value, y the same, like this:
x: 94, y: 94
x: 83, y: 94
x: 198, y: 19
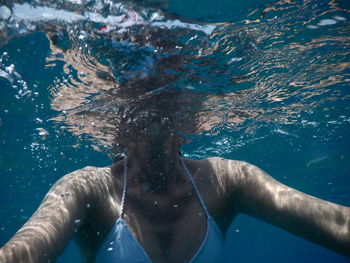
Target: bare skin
x: 86, y: 203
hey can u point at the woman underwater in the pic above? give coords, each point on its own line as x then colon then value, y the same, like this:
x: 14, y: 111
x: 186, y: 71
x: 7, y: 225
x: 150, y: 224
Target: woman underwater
x: 152, y: 205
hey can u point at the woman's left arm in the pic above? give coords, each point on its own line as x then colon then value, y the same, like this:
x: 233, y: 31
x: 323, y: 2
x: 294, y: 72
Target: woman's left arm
x: 261, y: 196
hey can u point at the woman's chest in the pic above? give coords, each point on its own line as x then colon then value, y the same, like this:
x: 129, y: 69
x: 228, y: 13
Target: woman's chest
x: 165, y: 236
x: 163, y: 241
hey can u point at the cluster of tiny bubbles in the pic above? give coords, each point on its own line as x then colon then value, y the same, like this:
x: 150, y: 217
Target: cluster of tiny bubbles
x: 77, y: 223
x: 41, y: 150
x: 111, y: 246
x: 26, y: 97
x: 43, y: 141
x: 8, y: 72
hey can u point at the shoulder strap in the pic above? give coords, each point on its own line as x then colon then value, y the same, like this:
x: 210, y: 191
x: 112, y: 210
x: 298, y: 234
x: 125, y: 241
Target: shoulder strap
x: 195, y: 187
x: 125, y: 179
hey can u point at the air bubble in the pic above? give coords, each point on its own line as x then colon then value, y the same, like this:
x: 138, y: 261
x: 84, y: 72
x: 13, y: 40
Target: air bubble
x: 38, y: 120
x: 327, y: 22
x: 5, y: 12
x: 10, y: 69
x: 236, y: 59
x: 339, y: 18
x: 42, y: 133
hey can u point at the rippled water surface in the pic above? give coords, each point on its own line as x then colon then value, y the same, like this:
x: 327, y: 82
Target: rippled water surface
x: 266, y: 82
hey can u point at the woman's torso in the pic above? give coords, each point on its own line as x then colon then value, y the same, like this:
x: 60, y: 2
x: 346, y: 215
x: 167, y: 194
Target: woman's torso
x: 170, y: 228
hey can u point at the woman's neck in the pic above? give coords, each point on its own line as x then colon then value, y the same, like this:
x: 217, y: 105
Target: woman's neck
x: 155, y: 165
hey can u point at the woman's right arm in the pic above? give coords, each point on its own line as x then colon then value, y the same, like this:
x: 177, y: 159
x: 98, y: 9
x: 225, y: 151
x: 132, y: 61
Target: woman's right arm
x: 45, y: 235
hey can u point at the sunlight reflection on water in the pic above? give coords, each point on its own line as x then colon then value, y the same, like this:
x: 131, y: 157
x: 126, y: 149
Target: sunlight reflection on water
x: 282, y: 62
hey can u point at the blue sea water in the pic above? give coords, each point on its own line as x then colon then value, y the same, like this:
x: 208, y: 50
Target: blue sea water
x: 272, y: 79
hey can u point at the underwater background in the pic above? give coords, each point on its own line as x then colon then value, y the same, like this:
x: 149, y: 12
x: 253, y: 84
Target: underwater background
x: 268, y: 83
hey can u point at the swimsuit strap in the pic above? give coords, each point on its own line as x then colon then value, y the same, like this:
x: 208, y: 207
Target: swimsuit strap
x: 124, y: 189
x: 187, y: 173
x: 195, y: 188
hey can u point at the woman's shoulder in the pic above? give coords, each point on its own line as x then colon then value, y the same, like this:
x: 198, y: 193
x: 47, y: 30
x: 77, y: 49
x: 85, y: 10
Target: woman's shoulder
x: 230, y: 173
x: 87, y: 173
x: 222, y: 165
x: 90, y: 171
x: 85, y: 180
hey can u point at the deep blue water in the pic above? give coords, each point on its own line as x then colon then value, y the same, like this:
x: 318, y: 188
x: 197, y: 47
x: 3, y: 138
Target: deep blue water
x: 286, y: 81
